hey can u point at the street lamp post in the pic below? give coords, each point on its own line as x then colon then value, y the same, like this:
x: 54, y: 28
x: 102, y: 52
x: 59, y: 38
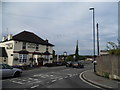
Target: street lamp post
x: 93, y: 35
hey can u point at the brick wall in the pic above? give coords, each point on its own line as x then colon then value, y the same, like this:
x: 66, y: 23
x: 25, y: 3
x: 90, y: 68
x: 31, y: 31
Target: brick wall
x: 108, y: 66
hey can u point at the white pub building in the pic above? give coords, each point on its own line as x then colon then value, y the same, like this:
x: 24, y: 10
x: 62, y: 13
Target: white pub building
x: 26, y: 48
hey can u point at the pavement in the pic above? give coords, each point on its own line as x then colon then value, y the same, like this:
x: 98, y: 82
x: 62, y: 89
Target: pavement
x: 100, y: 81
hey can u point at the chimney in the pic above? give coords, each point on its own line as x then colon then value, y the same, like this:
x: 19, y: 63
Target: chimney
x: 46, y: 40
x: 3, y: 38
x: 9, y: 36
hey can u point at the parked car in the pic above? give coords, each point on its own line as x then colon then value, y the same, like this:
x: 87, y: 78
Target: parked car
x: 9, y: 71
x: 49, y: 64
x: 58, y: 63
x: 64, y: 63
x: 69, y: 64
x: 77, y: 65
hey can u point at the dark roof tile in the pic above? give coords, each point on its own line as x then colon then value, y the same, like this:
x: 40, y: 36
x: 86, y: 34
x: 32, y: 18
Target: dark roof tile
x: 30, y: 37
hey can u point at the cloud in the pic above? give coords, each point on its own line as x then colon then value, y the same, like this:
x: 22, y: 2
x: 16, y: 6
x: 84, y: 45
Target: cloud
x: 62, y: 23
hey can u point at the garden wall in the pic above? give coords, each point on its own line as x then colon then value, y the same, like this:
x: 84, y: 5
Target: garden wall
x: 108, y: 66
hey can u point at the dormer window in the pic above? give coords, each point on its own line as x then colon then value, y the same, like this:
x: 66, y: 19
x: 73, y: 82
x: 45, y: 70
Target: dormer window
x: 46, y: 48
x: 37, y: 47
x: 24, y: 45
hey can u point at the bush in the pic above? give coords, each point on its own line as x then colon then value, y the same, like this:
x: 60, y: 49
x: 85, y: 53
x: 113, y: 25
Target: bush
x: 106, y: 74
x: 115, y: 51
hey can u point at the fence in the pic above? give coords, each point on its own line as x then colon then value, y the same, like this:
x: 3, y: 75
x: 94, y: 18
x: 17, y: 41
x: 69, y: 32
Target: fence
x: 108, y: 66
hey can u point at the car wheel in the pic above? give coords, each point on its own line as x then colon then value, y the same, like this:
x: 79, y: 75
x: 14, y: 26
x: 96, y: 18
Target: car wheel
x: 17, y: 74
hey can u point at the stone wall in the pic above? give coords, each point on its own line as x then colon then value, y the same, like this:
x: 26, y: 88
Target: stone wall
x: 108, y: 66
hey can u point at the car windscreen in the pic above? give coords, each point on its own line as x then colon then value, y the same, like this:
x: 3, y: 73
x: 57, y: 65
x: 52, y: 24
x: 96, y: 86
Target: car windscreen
x: 75, y: 62
x: 5, y: 66
x: 1, y: 66
x: 68, y: 62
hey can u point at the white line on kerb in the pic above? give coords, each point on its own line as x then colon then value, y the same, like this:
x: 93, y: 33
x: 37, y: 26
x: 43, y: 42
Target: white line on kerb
x: 35, y: 86
x: 86, y: 81
x: 98, y: 83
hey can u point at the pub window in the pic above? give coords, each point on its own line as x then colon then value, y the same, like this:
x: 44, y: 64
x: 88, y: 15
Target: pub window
x: 24, y: 45
x: 4, y: 60
x: 46, y: 57
x: 22, y: 57
x: 37, y: 47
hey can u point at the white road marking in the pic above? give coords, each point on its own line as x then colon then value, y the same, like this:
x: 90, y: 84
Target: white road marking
x: 18, y: 82
x: 43, y: 76
x: 74, y: 74
x: 35, y: 79
x: 24, y: 80
x: 30, y: 78
x: 35, y: 86
x: 48, y: 82
x: 53, y: 80
x: 51, y: 75
x: 55, y: 72
x: 16, y: 79
x: 34, y: 82
x: 66, y: 77
x: 28, y: 81
x: 65, y: 70
x: 60, y: 78
x: 47, y: 75
x: 70, y: 76
x: 35, y: 75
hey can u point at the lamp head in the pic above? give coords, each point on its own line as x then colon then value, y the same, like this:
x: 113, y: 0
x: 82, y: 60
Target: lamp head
x: 91, y: 8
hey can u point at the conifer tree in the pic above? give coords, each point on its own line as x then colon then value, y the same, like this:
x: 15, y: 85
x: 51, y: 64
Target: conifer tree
x: 77, y: 52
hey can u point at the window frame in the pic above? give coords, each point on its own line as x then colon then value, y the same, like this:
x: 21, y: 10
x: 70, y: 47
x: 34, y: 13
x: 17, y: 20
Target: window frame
x: 37, y: 47
x: 24, y: 45
x: 23, y: 57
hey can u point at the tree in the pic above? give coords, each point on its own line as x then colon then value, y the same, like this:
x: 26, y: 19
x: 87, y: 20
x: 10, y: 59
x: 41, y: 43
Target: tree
x: 77, y: 52
x: 118, y: 44
x: 69, y: 58
x: 53, y: 53
x: 113, y: 48
x: 111, y: 45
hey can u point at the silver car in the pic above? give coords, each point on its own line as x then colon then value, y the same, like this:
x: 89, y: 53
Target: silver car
x: 8, y: 71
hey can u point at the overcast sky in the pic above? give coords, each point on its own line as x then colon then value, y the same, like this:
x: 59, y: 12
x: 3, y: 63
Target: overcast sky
x: 63, y: 23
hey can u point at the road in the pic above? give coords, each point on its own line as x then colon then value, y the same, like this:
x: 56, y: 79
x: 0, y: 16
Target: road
x: 49, y: 77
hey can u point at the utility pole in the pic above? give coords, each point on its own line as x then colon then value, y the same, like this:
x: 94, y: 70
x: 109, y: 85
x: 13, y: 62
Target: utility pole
x: 97, y: 39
